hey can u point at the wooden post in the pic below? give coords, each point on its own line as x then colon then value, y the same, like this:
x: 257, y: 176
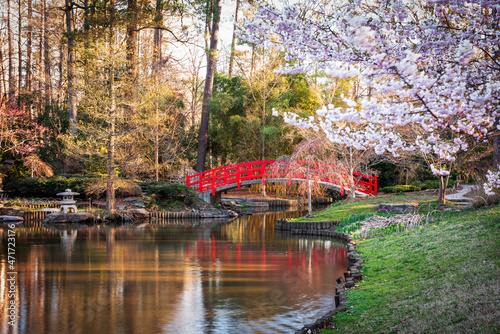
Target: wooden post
x: 238, y: 176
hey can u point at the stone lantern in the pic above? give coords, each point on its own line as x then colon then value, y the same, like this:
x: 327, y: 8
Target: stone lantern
x: 68, y: 202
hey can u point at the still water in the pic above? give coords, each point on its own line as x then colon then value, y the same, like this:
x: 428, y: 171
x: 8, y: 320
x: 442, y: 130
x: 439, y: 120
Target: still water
x: 214, y: 277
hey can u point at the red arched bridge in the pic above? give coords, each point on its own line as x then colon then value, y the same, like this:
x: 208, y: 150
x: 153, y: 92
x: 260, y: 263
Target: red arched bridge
x: 233, y: 176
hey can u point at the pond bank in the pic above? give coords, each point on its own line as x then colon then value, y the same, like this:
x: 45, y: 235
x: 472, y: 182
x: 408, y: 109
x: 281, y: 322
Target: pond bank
x: 442, y: 277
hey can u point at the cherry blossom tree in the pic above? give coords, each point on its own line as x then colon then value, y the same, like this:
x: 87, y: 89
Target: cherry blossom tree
x: 493, y: 181
x: 434, y: 64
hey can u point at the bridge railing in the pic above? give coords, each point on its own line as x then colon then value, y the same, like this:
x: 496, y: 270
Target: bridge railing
x: 246, y: 171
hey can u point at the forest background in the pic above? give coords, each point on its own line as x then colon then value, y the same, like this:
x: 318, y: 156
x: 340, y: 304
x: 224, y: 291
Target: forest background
x: 154, y: 90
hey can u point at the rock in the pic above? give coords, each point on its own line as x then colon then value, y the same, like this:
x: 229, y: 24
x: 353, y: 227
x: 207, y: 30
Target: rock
x: 138, y: 211
x: 131, y: 199
x: 10, y: 219
x: 73, y: 218
x: 9, y: 211
x: 398, y: 208
x: 137, y: 214
x: 357, y: 277
x: 231, y: 200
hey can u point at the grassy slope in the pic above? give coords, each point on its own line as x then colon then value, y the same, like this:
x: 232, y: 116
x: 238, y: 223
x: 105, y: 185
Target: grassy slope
x: 343, y: 209
x: 442, y: 278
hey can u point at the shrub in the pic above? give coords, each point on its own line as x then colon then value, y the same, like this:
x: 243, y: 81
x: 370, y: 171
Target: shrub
x: 18, y: 172
x: 47, y: 187
x: 51, y: 186
x: 400, y: 188
x: 171, y: 191
x: 433, y: 184
x: 430, y: 184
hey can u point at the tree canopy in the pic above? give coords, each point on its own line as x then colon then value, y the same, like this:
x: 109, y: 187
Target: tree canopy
x: 430, y: 63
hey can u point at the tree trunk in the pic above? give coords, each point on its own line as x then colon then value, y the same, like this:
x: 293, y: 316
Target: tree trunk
x: 87, y: 13
x: 70, y: 29
x: 443, y: 184
x: 496, y: 152
x: 207, y: 93
x: 3, y: 87
x: 157, y: 142
x: 19, y: 47
x: 157, y: 55
x: 252, y: 61
x: 194, y: 92
x: 110, y: 184
x: 39, y: 65
x: 86, y: 28
x: 156, y: 67
x: 29, y: 41
x: 60, y: 91
x: 496, y: 146
x: 46, y: 58
x: 309, y: 200
x: 11, y: 66
x: 352, y: 184
x: 233, y: 40
x: 131, y: 51
x: 351, y: 175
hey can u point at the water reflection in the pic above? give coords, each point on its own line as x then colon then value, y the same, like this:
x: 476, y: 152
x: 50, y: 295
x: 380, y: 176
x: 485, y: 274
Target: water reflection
x: 240, y: 277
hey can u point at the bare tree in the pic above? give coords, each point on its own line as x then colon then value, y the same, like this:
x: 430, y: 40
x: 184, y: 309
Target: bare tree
x: 19, y: 46
x: 12, y: 84
x: 193, y: 83
x: 233, y: 40
x: 70, y: 30
x: 29, y: 41
x: 131, y: 49
x: 215, y: 12
x: 46, y: 57
x: 110, y: 186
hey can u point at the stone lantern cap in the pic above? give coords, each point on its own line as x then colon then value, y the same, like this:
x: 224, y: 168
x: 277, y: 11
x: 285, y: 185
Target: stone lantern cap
x: 68, y: 192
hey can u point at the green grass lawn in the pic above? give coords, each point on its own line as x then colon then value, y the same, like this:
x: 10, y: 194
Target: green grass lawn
x: 440, y: 278
x: 345, y: 208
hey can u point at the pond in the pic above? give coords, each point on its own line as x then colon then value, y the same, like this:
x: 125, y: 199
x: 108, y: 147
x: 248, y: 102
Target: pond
x: 171, y: 277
